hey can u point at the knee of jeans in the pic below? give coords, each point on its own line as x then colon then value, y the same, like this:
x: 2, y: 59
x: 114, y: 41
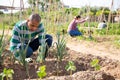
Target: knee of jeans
x: 71, y: 34
x: 80, y: 33
x: 49, y: 40
x: 29, y: 52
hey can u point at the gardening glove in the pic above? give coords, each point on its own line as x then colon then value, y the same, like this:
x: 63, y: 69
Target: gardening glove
x: 29, y: 60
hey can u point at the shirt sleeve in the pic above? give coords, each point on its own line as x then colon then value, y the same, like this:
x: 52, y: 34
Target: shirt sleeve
x: 41, y: 32
x: 15, y: 38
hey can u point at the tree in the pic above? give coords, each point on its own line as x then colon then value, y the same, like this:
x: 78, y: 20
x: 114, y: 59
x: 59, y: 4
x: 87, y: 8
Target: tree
x: 1, y: 13
x: 31, y: 3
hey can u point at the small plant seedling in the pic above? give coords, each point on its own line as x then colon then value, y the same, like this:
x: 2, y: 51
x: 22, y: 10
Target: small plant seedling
x: 61, y: 49
x: 95, y: 63
x: 70, y: 67
x: 41, y: 71
x: 7, y: 73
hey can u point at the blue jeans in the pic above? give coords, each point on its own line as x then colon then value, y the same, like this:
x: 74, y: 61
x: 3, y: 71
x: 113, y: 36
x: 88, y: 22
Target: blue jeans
x: 75, y: 33
x: 34, y: 45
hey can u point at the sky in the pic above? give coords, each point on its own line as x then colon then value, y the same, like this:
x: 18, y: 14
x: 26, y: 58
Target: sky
x: 80, y: 3
x: 16, y: 2
x: 70, y: 3
x: 9, y: 3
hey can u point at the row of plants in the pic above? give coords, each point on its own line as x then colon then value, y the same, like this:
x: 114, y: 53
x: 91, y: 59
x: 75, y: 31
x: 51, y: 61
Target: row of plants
x: 52, y: 20
x: 41, y: 72
x: 60, y: 52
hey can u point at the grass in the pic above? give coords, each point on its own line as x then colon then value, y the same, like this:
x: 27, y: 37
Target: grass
x: 6, y: 26
x: 117, y: 43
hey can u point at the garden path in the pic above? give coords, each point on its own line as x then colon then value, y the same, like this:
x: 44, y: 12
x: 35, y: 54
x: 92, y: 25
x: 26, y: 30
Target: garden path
x: 103, y: 49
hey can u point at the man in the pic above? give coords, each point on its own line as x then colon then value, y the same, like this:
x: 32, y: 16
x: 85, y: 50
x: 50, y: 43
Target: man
x: 27, y: 35
x: 102, y: 25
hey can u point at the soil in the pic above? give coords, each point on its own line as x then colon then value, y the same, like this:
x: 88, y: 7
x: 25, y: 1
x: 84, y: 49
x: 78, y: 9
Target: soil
x: 110, y: 69
x: 104, y: 47
x: 81, y: 52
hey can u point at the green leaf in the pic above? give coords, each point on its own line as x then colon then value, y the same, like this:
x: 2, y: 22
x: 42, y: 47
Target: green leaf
x: 97, y: 67
x: 70, y: 66
x: 7, y: 72
x: 94, y: 62
x: 41, y: 71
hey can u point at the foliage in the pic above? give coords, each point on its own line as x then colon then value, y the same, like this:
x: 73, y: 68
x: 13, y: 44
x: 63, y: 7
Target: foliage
x: 113, y: 28
x: 2, y: 38
x: 41, y: 71
x: 1, y: 13
x: 94, y: 10
x: 95, y: 63
x: 91, y: 24
x: 83, y: 10
x: 8, y: 20
x: 32, y: 2
x: 70, y: 67
x: 42, y: 50
x: 111, y: 31
x: 73, y: 11
x: 61, y: 47
x: 20, y: 53
x: 117, y: 43
x: 101, y: 32
x: 7, y: 73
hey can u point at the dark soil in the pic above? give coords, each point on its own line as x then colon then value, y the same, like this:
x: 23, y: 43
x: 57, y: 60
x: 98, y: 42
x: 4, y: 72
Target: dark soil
x: 110, y: 69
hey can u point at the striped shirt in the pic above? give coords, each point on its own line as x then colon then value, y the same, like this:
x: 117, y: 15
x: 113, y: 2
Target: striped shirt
x: 21, y: 34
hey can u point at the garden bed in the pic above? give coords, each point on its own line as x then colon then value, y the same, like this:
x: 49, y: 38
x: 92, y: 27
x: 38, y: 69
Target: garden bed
x: 110, y: 69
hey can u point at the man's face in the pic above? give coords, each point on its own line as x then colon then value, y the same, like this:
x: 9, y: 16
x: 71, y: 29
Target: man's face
x: 33, y: 25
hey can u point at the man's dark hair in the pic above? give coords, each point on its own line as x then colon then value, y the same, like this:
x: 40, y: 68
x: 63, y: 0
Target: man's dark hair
x: 104, y: 21
x: 35, y: 17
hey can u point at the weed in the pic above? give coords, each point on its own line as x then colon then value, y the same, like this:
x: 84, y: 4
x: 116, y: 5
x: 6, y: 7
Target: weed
x: 70, y: 67
x: 95, y: 63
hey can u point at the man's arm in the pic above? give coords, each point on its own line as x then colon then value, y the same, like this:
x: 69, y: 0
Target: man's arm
x: 15, y: 38
x: 41, y: 32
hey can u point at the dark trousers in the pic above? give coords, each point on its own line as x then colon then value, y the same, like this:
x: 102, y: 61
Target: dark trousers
x: 34, y: 45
